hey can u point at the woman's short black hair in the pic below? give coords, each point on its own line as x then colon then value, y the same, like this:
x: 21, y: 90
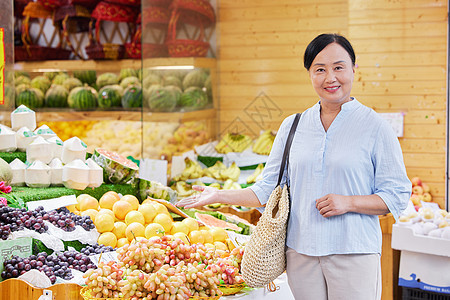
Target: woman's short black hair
x: 323, y: 40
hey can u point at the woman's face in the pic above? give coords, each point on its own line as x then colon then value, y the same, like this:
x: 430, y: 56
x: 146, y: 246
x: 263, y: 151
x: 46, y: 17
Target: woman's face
x: 332, y: 73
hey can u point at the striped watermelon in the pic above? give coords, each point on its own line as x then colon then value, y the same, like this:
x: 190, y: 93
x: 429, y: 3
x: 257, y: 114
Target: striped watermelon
x: 193, y: 98
x: 41, y: 82
x: 71, y: 83
x: 110, y: 96
x: 56, y: 96
x: 30, y: 97
x: 82, y: 98
x: 116, y: 168
x: 132, y: 97
x: 87, y: 76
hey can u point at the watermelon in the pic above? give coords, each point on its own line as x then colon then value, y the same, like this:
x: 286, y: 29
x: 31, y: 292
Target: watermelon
x: 161, y: 99
x: 60, y: 78
x: 127, y: 81
x: 22, y: 87
x: 176, y: 92
x: 41, y: 82
x: 107, y: 79
x: 212, y: 221
x: 56, y: 96
x: 30, y: 97
x: 116, y: 168
x: 21, y: 73
x: 132, y: 97
x: 71, y: 83
x: 172, y: 80
x: 127, y: 72
x: 193, y: 98
x: 51, y: 75
x: 195, y: 77
x: 88, y: 76
x: 151, y: 79
x: 110, y: 96
x: 82, y: 98
x: 22, y: 80
x: 6, y: 174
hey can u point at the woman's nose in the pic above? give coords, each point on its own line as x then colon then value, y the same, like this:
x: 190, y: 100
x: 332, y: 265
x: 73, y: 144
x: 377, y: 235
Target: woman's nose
x: 331, y: 77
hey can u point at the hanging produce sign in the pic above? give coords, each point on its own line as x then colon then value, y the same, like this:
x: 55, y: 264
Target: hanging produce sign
x: 2, y: 67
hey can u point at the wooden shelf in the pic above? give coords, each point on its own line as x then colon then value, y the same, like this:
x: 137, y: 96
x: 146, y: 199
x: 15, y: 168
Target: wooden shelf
x: 112, y: 65
x: 72, y: 115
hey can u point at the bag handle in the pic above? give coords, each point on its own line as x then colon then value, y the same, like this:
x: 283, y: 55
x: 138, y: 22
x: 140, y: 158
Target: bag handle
x: 287, y: 147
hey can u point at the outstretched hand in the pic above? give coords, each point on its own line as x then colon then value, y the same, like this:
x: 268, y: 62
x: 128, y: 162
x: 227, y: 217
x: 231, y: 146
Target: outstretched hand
x: 207, y: 195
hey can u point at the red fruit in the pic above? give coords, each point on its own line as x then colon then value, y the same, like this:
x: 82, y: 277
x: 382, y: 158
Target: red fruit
x: 416, y: 181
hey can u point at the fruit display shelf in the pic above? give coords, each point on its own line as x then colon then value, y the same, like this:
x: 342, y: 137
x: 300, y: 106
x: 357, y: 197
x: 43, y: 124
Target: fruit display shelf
x: 23, y: 290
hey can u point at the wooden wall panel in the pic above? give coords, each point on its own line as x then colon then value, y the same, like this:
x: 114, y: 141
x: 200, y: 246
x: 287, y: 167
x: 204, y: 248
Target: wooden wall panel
x: 401, y: 48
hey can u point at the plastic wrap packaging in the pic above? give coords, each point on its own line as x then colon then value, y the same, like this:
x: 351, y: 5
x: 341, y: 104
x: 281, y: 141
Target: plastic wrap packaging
x: 23, y: 117
x: 73, y: 149
x: 7, y: 139
x: 95, y: 173
x: 45, y: 132
x: 18, y: 170
x: 76, y: 175
x: 41, y: 150
x: 38, y: 175
x: 57, y: 146
x: 24, y: 137
x: 36, y: 278
x: 57, y: 168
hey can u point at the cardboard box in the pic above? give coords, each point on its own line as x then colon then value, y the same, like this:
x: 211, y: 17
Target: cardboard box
x: 424, y: 260
x: 21, y: 247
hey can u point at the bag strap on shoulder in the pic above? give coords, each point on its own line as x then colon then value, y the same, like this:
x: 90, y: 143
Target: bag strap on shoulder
x: 287, y: 147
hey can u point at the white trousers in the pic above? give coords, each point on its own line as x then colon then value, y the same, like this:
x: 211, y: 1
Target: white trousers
x: 334, y: 277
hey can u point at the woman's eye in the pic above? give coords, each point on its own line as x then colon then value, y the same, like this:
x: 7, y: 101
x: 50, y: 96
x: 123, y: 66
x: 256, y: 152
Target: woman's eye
x: 338, y: 68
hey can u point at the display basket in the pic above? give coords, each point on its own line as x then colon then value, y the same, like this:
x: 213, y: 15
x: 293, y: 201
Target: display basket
x: 86, y: 293
x: 205, y: 298
x: 231, y: 289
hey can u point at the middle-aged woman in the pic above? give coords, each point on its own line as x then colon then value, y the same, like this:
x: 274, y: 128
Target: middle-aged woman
x: 345, y: 168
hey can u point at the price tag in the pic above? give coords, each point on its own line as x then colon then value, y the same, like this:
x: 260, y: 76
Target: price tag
x: 51, y: 204
x: 105, y: 257
x: 153, y: 169
x: 178, y: 165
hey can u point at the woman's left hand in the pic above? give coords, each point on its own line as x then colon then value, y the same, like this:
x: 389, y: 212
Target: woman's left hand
x: 333, y: 205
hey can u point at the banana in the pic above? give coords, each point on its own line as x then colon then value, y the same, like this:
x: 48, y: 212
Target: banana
x: 252, y: 178
x: 233, y: 172
x: 236, y: 186
x: 215, y: 185
x: 183, y: 189
x: 227, y: 184
x: 264, y: 143
x: 233, y: 142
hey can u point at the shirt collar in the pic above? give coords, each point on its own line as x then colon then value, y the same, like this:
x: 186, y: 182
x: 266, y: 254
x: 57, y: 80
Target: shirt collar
x: 347, y: 106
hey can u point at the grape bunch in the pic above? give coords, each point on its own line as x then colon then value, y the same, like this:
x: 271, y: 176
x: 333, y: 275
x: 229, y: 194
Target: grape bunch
x: 96, y: 249
x: 19, y: 218
x: 55, y: 265
x: 83, y: 221
x: 103, y: 281
x: 5, y: 231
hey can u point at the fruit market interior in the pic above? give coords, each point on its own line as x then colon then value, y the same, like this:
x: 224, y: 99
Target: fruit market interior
x: 112, y: 110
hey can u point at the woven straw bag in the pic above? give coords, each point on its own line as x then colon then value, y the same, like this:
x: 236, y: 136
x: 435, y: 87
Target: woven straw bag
x: 265, y: 254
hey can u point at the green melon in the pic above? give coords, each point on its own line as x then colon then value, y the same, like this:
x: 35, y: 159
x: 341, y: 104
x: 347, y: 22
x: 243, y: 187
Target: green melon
x: 107, y: 79
x: 195, y: 77
x: 161, y: 99
x: 60, y: 78
x: 88, y: 76
x: 56, y: 96
x: 41, y: 82
x: 127, y: 81
x: 30, y: 97
x: 132, y: 97
x: 193, y: 98
x: 82, y: 98
x: 71, y: 83
x: 116, y: 168
x: 110, y: 96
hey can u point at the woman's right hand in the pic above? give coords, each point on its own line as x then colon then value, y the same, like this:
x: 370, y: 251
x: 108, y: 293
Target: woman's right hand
x: 207, y: 195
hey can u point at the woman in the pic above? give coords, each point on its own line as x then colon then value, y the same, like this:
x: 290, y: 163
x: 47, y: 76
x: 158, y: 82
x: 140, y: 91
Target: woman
x: 345, y: 169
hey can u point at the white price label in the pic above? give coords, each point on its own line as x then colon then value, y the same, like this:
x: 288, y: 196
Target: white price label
x: 105, y: 257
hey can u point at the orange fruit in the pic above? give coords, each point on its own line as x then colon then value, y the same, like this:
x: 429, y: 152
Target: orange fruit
x: 191, y: 223
x: 154, y: 229
x: 119, y: 229
x: 134, y: 216
x: 219, y: 234
x: 121, y: 242
x: 164, y: 220
x: 104, y: 222
x: 134, y: 230
x: 148, y: 211
x: 179, y: 227
x: 121, y: 208
x: 106, y: 211
x: 207, y: 236
x: 107, y: 239
x: 86, y: 201
x: 196, y: 236
x: 132, y: 200
x: 108, y: 199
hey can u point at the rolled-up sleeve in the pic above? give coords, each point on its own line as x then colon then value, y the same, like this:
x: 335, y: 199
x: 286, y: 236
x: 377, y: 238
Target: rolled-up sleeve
x: 264, y: 187
x: 391, y: 181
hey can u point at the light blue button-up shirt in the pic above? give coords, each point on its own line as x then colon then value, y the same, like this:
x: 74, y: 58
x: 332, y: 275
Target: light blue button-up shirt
x: 358, y: 155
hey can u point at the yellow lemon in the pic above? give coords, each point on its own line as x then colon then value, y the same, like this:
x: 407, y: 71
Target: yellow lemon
x: 92, y: 213
x: 148, y: 211
x: 134, y: 230
x: 108, y: 199
x: 219, y: 234
x: 107, y: 239
x: 179, y: 227
x: 182, y: 236
x: 122, y: 242
x: 196, y: 236
x: 121, y: 208
x: 119, y: 229
x: 207, y: 236
x: 191, y: 223
x: 164, y: 220
x: 154, y: 229
x: 132, y: 200
x: 134, y: 216
x: 104, y: 222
